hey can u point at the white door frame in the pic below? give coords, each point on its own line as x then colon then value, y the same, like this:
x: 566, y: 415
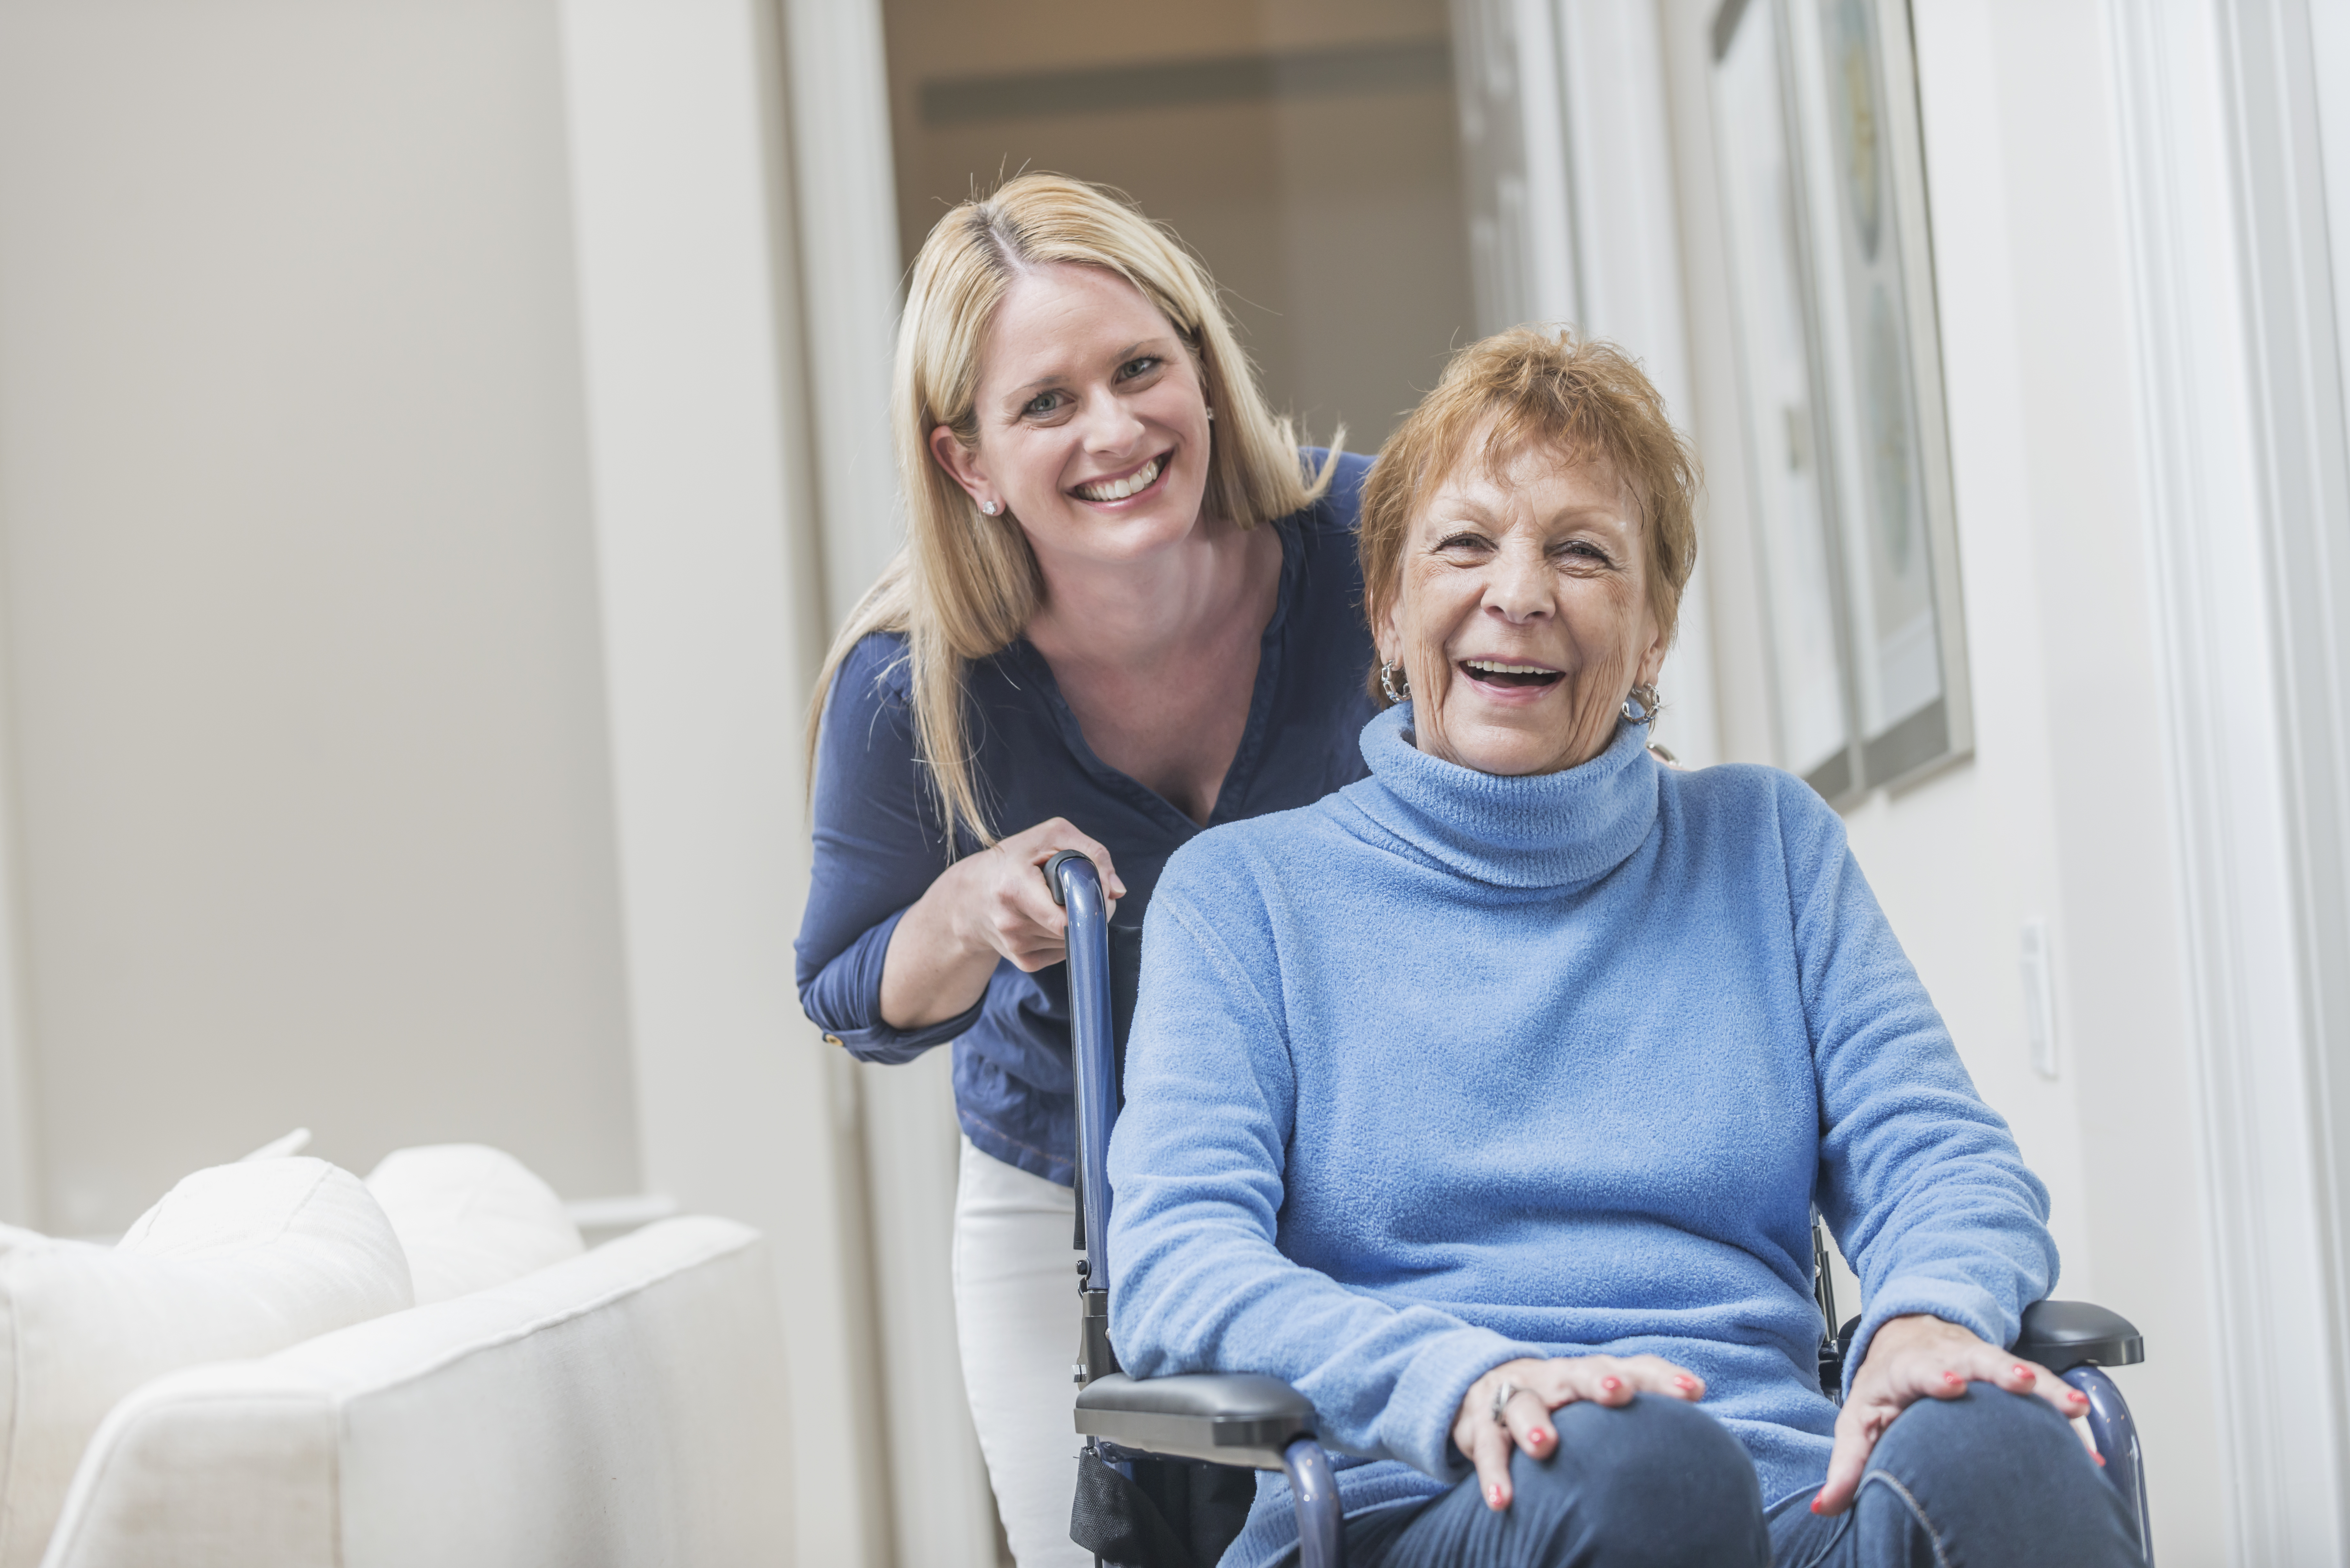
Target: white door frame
x: 1616, y: 110
x: 2238, y: 375
x: 848, y: 247
x: 845, y: 185
x: 1568, y: 154
x: 713, y: 604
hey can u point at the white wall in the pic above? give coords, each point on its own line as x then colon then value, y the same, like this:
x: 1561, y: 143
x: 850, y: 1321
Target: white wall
x: 712, y: 594
x: 410, y: 585
x: 299, y: 624
x: 2063, y: 810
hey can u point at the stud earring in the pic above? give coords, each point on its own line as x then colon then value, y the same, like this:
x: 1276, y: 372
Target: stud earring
x: 988, y: 507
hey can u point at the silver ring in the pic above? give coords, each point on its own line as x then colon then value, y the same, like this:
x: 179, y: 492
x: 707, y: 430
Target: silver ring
x: 1502, y: 1397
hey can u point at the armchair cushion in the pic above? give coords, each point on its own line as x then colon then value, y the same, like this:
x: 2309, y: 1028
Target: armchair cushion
x: 470, y: 1217
x: 237, y: 1260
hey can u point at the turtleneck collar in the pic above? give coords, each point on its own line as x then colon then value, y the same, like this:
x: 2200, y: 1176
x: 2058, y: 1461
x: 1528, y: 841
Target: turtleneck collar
x: 1550, y: 830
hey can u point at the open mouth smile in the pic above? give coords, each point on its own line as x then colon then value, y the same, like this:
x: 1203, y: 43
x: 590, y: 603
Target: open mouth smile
x: 1508, y: 675
x: 1124, y: 486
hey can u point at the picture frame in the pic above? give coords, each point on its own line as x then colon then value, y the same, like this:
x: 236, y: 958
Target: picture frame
x: 1822, y: 184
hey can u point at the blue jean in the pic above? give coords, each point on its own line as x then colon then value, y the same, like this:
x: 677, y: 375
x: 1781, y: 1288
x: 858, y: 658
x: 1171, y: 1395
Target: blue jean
x: 1987, y: 1479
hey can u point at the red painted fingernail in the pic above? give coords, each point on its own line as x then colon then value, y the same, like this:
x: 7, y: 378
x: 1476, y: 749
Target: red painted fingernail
x: 1952, y: 1377
x: 1816, y: 1504
x: 1611, y: 1384
x: 2100, y: 1459
x: 1538, y: 1436
x: 1684, y: 1382
x: 1493, y: 1494
x: 2027, y: 1375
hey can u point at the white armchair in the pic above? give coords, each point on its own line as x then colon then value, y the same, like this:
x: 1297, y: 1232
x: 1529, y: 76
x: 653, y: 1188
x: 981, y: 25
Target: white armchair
x: 242, y: 1382
x: 624, y: 1407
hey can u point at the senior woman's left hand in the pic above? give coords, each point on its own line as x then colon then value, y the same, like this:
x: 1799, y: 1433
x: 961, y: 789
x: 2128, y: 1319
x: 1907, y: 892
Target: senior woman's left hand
x: 1485, y: 1435
x: 1922, y: 1357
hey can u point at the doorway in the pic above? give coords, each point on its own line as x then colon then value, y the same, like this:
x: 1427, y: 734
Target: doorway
x: 1308, y: 150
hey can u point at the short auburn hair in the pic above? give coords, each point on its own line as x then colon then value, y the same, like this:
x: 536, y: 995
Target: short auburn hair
x: 1535, y: 388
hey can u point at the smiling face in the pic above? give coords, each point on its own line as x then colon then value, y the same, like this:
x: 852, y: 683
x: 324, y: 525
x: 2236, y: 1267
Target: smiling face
x: 1521, y: 615
x: 1092, y: 426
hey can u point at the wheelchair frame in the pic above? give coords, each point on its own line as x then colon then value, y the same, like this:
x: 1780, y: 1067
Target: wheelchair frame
x: 1262, y: 1423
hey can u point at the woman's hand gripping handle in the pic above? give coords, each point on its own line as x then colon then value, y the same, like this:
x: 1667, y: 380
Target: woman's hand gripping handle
x: 984, y: 907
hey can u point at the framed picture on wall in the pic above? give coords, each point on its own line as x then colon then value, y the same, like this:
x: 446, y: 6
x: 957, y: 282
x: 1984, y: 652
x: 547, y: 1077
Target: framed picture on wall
x: 1823, y: 194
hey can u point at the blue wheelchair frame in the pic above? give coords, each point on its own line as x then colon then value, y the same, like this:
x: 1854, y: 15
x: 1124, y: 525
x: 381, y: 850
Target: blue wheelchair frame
x: 1262, y: 1423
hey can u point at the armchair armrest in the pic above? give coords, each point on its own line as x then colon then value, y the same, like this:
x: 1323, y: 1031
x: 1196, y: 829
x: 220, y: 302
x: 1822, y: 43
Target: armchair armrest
x: 1223, y: 1417
x: 2061, y: 1335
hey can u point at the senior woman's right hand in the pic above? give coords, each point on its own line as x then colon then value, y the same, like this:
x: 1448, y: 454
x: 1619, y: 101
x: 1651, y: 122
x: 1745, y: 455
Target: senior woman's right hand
x: 1538, y: 1387
x: 985, y: 907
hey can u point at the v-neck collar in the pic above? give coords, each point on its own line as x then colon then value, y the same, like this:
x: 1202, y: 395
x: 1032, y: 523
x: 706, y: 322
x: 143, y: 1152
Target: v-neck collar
x: 1241, y: 774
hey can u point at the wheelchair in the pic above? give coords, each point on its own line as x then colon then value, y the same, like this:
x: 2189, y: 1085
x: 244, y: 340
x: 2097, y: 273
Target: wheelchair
x: 1253, y: 1422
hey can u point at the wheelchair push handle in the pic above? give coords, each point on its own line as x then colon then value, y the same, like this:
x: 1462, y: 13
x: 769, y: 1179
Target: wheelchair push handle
x: 1077, y: 886
x: 1051, y: 870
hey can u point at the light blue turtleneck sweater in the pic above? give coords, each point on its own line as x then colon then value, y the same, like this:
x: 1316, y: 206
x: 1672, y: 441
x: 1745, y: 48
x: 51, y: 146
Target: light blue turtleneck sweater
x: 1451, y: 1068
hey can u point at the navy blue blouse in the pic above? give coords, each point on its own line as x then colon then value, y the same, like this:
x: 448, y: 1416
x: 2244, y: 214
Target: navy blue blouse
x: 878, y: 846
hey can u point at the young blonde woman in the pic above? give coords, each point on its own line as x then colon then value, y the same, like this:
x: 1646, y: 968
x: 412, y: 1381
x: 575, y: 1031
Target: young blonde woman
x: 1128, y: 609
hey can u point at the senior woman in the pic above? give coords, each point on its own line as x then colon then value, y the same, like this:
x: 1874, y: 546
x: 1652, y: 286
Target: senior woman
x: 1487, y: 1101
x: 1127, y: 610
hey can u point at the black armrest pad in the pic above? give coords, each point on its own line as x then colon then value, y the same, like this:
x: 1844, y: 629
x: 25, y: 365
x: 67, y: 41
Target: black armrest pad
x: 2061, y: 1335
x: 1223, y: 1417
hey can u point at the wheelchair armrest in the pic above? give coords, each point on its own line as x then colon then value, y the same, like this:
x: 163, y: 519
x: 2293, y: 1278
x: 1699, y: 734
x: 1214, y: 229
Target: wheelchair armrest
x: 2061, y: 1335
x: 1223, y: 1417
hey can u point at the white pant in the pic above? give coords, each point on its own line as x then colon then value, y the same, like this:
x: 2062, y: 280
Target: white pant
x: 1016, y: 1320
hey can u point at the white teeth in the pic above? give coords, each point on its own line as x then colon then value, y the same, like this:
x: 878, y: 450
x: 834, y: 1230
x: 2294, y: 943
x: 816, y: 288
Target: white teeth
x: 1119, y: 489
x: 1495, y: 666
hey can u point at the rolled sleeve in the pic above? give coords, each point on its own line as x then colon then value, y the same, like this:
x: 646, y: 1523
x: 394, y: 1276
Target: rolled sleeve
x: 878, y: 846
x: 844, y: 1000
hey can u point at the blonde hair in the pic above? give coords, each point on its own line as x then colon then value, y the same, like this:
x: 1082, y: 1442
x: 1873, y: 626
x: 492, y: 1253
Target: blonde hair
x: 1539, y: 388
x: 966, y: 584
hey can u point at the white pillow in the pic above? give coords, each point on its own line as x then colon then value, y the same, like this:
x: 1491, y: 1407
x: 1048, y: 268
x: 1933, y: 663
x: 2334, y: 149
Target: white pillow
x: 470, y: 1217
x: 236, y: 1261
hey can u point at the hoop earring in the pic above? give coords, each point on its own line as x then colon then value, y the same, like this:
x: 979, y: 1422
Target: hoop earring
x: 1643, y: 705
x: 1388, y: 673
